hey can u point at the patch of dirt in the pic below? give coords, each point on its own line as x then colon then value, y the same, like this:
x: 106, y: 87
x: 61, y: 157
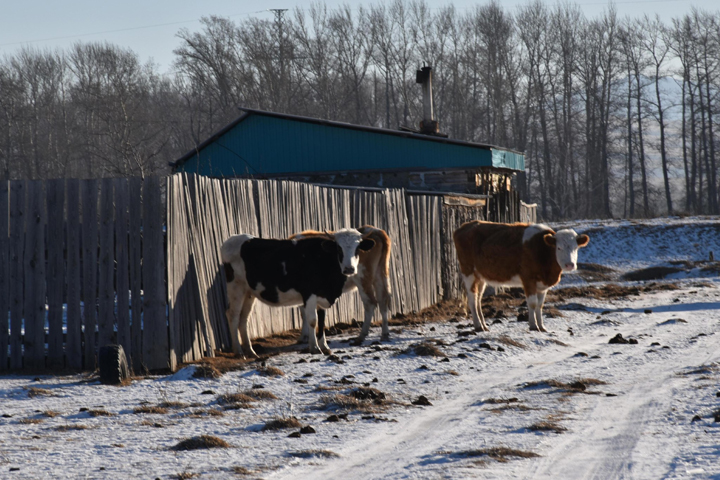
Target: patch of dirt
x: 577, y: 386
x: 281, y: 423
x: 39, y: 392
x: 259, y: 394
x: 201, y: 442
x: 425, y: 349
x: 362, y: 399
x: 270, y: 371
x: 499, y: 454
x: 650, y: 273
x: 151, y: 409
x: 609, y: 291
x: 68, y: 428
x: 234, y: 398
x: 593, y: 272
x: 314, y: 454
x: 547, y: 426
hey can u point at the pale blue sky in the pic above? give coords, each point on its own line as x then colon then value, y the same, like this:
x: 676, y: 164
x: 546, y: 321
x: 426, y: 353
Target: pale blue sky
x: 148, y: 27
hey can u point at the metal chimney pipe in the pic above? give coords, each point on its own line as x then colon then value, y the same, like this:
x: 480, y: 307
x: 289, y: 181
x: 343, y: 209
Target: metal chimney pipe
x: 428, y: 124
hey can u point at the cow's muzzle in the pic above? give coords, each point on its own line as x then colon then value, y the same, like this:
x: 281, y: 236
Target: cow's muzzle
x: 348, y: 271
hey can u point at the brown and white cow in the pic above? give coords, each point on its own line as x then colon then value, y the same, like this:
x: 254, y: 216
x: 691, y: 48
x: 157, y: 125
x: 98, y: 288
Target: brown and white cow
x: 371, y: 281
x: 514, y: 255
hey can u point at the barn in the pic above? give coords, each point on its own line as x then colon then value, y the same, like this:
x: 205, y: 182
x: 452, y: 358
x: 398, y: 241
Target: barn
x: 266, y: 145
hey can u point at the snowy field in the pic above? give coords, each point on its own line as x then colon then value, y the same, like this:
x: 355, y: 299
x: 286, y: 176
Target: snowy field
x: 505, y: 404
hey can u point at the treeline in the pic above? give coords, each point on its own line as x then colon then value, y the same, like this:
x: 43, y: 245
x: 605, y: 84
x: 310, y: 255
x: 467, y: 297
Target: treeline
x: 616, y: 116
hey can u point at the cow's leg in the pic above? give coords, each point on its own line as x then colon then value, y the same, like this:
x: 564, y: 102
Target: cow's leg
x: 369, y: 306
x: 305, y: 330
x: 471, y: 288
x: 236, y: 298
x: 382, y: 292
x: 311, y: 316
x: 322, y: 341
x: 478, y: 305
x: 538, y: 312
x: 247, y: 307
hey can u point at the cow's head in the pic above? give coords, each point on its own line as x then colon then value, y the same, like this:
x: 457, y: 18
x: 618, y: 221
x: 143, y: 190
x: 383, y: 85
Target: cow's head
x: 348, y: 244
x: 566, y: 243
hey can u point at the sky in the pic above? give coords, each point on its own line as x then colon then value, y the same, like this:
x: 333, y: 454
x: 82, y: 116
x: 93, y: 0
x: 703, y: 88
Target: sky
x: 149, y: 27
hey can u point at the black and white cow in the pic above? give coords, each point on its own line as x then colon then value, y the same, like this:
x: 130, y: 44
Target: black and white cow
x: 310, y: 272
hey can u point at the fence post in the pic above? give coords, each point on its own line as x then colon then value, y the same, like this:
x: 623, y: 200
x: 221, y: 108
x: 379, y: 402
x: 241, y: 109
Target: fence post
x: 4, y: 271
x: 56, y: 270
x: 155, y: 331
x: 74, y: 345
x: 35, y: 277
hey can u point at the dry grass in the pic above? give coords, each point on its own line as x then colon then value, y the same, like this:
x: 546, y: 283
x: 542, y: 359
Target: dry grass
x: 205, y: 370
x: 51, y: 413
x: 30, y: 421
x: 68, y: 428
x: 100, y: 413
x: 186, y: 475
x: 547, y: 426
x: 577, y: 386
x: 234, y: 398
x: 151, y: 409
x: 201, y: 442
x: 362, y: 399
x: 314, y: 454
x: 39, y: 392
x: 210, y: 412
x: 172, y: 404
x: 270, y: 371
x: 500, y: 454
x: 280, y: 423
x: 425, y: 349
x: 505, y: 340
x: 329, y: 388
x: 259, y: 394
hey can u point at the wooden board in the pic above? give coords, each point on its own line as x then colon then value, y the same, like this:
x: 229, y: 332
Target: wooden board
x: 4, y: 273
x: 106, y: 266
x: 55, y: 271
x: 89, y: 242
x: 74, y: 345
x: 34, y: 304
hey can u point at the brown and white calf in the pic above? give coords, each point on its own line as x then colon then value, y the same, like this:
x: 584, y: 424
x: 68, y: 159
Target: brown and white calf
x: 514, y: 255
x: 311, y: 272
x: 371, y: 281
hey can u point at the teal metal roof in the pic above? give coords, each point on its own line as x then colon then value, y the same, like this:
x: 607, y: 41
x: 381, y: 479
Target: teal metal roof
x: 260, y: 143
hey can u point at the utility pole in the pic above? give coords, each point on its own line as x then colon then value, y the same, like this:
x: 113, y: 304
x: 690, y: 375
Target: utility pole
x: 280, y: 26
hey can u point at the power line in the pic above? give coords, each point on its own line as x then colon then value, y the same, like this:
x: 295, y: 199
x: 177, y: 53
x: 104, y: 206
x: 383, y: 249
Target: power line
x: 129, y: 29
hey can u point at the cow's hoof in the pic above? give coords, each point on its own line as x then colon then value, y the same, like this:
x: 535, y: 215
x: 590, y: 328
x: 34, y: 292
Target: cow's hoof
x: 326, y: 351
x: 251, y: 355
x: 357, y: 341
x: 385, y: 337
x: 315, y: 350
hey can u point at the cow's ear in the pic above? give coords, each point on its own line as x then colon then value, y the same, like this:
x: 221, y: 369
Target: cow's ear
x: 329, y: 246
x: 550, y: 239
x: 366, y: 244
x: 582, y: 240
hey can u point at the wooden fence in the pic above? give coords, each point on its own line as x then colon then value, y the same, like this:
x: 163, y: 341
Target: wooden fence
x: 81, y: 265
x: 203, y: 212
x: 84, y: 263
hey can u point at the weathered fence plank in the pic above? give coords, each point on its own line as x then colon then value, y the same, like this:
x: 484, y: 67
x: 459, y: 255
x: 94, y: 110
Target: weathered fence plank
x: 135, y: 262
x: 4, y: 273
x: 122, y: 283
x: 106, y: 266
x: 155, y: 332
x: 89, y: 242
x: 55, y: 270
x: 17, y: 258
x: 74, y: 345
x: 34, y: 357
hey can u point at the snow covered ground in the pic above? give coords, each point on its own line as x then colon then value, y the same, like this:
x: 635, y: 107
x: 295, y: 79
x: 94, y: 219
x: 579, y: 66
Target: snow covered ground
x: 503, y: 404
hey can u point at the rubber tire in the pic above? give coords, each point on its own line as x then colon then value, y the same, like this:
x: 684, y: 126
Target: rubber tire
x: 114, y: 369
